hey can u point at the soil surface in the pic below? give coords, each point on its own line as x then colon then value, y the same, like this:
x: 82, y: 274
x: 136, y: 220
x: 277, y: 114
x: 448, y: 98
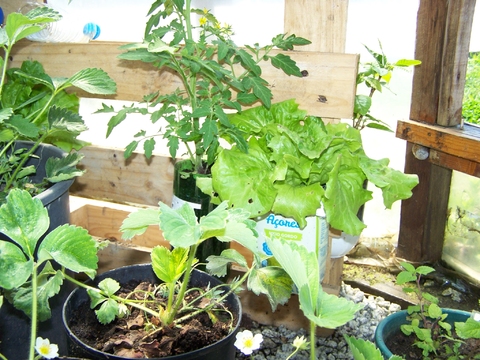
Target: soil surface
x: 137, y: 336
x: 397, y: 345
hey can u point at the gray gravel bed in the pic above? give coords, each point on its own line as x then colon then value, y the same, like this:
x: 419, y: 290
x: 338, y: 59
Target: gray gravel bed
x: 277, y: 341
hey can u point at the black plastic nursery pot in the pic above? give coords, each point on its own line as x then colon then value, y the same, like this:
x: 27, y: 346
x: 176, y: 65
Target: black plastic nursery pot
x: 14, y: 324
x: 223, y: 349
x: 185, y: 190
x: 390, y: 326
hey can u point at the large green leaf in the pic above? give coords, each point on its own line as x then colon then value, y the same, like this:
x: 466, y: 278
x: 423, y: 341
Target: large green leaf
x: 15, y: 269
x: 24, y: 220
x: 363, y: 349
x: 93, y: 81
x: 250, y: 172
x: 179, y: 226
x: 72, y: 247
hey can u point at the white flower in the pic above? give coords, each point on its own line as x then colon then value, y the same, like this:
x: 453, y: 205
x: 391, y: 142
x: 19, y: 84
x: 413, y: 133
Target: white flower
x: 247, y: 343
x: 300, y: 343
x: 45, y: 349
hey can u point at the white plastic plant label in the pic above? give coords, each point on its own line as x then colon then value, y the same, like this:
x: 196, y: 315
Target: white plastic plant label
x: 314, y: 236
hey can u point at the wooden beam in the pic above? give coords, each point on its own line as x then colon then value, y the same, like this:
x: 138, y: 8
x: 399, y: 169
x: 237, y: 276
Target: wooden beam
x: 326, y: 90
x: 462, y: 143
x: 423, y: 216
x: 454, y: 61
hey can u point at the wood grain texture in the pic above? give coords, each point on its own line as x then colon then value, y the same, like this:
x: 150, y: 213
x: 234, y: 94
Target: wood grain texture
x: 330, y: 76
x: 322, y: 22
x: 454, y: 62
x: 463, y: 143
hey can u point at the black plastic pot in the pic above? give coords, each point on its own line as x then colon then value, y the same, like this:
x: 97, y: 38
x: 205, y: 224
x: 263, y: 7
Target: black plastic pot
x: 390, y: 326
x: 223, y: 349
x: 185, y: 190
x: 14, y: 324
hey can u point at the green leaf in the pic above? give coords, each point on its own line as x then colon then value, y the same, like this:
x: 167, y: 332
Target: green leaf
x: 362, y: 349
x: 15, y: 269
x: 137, y: 222
x: 109, y: 286
x: 362, y: 104
x: 64, y: 168
x: 434, y: 311
x: 179, y: 226
x: 272, y: 281
x: 93, y: 81
x: 285, y: 63
x: 217, y: 265
x: 408, y: 267
x: 24, y: 220
x: 24, y: 126
x: 470, y: 329
x: 331, y: 311
x: 404, y: 277
x: 107, y: 312
x: 72, y: 247
x: 168, y: 265
x: 424, y: 270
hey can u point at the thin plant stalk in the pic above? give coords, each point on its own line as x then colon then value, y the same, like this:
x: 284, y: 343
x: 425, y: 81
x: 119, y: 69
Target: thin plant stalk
x: 313, y: 328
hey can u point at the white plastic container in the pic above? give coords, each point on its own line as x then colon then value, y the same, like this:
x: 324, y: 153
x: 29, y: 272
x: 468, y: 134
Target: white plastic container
x: 314, y: 236
x: 71, y: 28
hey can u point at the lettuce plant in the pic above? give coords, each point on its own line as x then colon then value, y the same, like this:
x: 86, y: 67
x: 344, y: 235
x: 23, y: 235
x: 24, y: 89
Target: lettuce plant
x: 295, y: 162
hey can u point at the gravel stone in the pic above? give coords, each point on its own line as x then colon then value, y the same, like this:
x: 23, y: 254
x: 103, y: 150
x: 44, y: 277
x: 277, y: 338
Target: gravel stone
x: 277, y: 341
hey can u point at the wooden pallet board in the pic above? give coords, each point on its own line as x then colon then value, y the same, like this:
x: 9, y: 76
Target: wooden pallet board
x: 327, y: 89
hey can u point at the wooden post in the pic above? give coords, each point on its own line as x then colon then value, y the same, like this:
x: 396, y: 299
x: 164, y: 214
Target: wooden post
x: 442, y: 46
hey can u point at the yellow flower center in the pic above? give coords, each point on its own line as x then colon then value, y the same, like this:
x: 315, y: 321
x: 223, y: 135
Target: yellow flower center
x: 248, y: 343
x: 44, y: 349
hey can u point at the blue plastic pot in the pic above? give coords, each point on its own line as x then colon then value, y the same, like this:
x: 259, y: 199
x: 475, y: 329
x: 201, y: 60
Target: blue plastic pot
x: 390, y: 326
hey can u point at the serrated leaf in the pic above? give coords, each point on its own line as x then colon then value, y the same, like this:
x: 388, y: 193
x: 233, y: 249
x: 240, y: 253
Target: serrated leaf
x: 72, y: 247
x: 285, y: 63
x: 169, y: 265
x: 405, y: 277
x: 272, y: 281
x: 137, y: 222
x: 24, y: 220
x: 109, y: 286
x: 179, y: 226
x: 93, y: 81
x: 362, y: 349
x: 15, y: 269
x: 108, y: 311
x: 63, y: 168
x: 468, y: 329
x: 424, y: 270
x: 217, y: 265
x: 434, y: 311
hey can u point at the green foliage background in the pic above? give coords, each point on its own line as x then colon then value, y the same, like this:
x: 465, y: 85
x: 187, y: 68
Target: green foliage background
x: 471, y: 99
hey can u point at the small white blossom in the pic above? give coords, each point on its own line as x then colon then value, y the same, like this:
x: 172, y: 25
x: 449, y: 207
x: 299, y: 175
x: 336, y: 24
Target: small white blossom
x: 300, y: 343
x: 45, y: 349
x: 247, y: 343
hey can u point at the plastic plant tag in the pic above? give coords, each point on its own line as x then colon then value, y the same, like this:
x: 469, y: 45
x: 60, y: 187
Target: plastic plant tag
x: 314, y: 236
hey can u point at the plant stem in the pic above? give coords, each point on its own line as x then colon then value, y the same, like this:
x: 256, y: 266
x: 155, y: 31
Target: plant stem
x: 33, y: 327
x: 114, y: 297
x: 313, y: 328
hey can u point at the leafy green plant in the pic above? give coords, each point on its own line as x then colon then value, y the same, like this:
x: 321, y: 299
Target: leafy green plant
x: 36, y: 108
x: 375, y: 76
x: 320, y: 308
x: 365, y: 350
x: 217, y: 76
x: 28, y: 278
x: 471, y: 98
x: 295, y: 162
x: 427, y: 321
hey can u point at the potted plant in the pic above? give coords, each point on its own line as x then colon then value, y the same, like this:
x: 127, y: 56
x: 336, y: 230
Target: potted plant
x: 35, y: 108
x: 175, y: 267
x: 216, y: 77
x: 39, y: 124
x: 425, y: 329
x: 296, y: 162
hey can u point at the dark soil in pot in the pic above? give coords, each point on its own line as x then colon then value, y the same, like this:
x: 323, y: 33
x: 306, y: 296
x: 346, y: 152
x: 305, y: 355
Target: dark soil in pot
x: 399, y: 342
x: 135, y: 336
